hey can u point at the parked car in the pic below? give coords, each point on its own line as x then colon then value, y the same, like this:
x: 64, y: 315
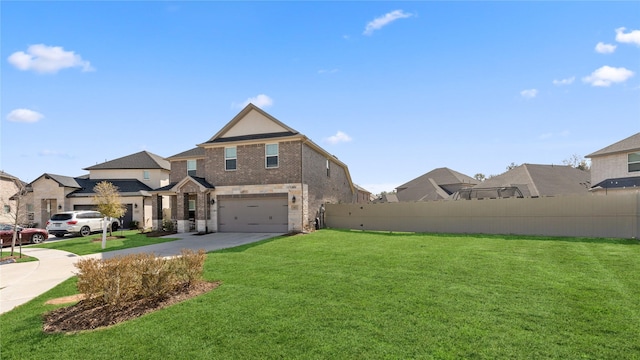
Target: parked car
x: 25, y: 235
x: 83, y: 223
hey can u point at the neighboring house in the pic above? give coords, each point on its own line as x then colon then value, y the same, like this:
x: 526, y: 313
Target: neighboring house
x: 531, y: 180
x: 616, y: 167
x: 9, y: 186
x: 437, y: 184
x: 386, y: 197
x: 255, y: 175
x: 135, y: 176
x: 364, y: 195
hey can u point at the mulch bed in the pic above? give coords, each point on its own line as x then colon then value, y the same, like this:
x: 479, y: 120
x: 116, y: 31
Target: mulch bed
x: 85, y: 316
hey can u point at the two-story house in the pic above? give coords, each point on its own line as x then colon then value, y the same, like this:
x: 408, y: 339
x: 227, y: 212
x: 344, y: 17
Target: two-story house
x: 255, y: 175
x: 616, y: 167
x: 135, y: 176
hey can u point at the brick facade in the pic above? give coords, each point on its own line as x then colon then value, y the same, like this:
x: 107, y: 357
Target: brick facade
x: 251, y: 168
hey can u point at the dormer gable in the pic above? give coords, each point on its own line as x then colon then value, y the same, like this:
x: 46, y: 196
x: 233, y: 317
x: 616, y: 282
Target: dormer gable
x: 252, y: 123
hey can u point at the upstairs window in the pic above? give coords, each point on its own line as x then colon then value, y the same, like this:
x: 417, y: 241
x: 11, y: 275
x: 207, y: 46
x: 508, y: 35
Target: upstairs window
x: 328, y: 172
x: 634, y: 161
x: 7, y: 209
x: 271, y: 155
x: 145, y: 175
x: 191, y: 167
x: 230, y: 158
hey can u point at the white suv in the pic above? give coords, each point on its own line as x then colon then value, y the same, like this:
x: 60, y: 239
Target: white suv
x: 78, y: 223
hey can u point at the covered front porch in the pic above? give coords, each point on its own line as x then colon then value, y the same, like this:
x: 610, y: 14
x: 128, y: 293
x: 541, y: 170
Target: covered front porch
x: 185, y: 207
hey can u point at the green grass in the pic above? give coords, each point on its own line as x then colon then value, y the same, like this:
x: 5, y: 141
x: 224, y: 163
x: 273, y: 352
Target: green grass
x: 6, y: 252
x: 358, y: 295
x: 93, y: 244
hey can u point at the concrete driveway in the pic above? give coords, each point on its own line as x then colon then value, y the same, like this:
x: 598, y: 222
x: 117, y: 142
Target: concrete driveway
x: 21, y: 282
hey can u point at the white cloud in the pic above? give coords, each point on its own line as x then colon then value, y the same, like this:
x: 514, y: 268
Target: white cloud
x: 379, y: 22
x: 567, y: 81
x: 261, y: 101
x: 529, y: 94
x: 24, y: 116
x: 550, y: 135
x: 339, y: 137
x: 55, y: 153
x: 603, y: 48
x: 327, y: 71
x: 47, y: 59
x: 607, y: 75
x: 631, y: 37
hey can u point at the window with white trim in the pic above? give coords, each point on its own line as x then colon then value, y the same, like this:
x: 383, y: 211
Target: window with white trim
x: 191, y: 167
x: 271, y: 155
x: 192, y: 205
x: 145, y: 175
x: 633, y: 161
x: 230, y: 158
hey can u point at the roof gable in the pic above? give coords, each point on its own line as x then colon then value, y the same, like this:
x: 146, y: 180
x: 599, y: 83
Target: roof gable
x: 541, y: 180
x: 436, y: 184
x: 140, y: 160
x: 632, y: 143
x: 65, y: 181
x: 252, y: 122
x: 441, y: 176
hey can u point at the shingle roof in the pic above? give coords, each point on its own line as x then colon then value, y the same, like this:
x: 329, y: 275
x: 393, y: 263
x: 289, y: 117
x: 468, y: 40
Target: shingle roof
x: 251, y: 137
x: 627, y: 182
x: 542, y: 180
x: 436, y: 184
x: 192, y: 153
x: 140, y: 160
x: 203, y: 182
x: 66, y: 181
x: 126, y: 187
x: 632, y: 143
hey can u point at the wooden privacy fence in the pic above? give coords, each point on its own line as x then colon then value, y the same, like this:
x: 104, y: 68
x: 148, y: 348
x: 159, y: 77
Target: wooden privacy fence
x: 613, y: 216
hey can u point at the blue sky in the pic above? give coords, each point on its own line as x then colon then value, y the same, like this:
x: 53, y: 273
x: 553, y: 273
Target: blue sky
x: 393, y: 89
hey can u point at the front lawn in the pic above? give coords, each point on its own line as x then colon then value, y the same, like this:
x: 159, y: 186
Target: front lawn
x: 92, y: 244
x: 5, y: 255
x: 357, y: 295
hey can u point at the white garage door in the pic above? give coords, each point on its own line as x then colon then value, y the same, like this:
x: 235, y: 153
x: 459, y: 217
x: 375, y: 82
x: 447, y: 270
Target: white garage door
x: 253, y: 214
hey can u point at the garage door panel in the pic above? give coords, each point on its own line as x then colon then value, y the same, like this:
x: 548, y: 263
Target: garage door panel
x: 253, y: 214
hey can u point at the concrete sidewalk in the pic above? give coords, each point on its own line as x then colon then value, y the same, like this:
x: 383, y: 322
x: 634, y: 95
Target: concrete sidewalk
x: 21, y: 282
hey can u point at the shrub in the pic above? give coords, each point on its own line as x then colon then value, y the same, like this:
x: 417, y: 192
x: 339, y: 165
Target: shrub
x: 127, y: 278
x: 167, y: 225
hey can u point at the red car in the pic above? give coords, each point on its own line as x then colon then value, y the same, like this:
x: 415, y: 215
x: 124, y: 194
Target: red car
x: 25, y: 235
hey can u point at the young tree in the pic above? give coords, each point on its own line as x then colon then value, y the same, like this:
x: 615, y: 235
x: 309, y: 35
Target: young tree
x: 480, y: 177
x: 108, y: 202
x: 576, y: 161
x: 512, y: 166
